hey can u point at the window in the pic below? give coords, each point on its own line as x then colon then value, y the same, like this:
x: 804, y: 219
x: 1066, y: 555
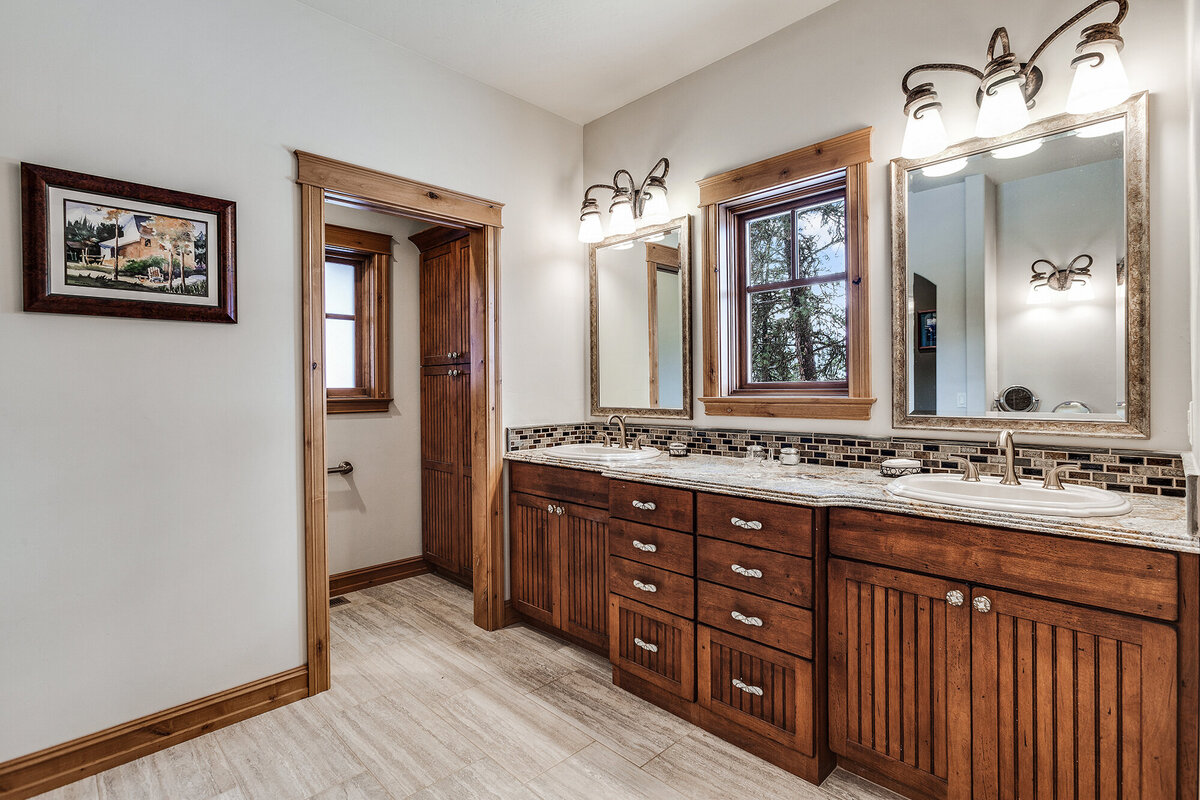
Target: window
x: 785, y: 307
x: 357, y: 320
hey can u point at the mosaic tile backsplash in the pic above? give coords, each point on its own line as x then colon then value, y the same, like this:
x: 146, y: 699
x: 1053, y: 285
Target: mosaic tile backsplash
x: 1137, y: 471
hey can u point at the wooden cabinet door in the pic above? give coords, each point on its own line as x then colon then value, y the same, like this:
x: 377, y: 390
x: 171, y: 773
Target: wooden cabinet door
x: 445, y: 469
x: 1070, y: 702
x: 583, y: 574
x: 445, y: 318
x: 534, y: 557
x: 900, y: 676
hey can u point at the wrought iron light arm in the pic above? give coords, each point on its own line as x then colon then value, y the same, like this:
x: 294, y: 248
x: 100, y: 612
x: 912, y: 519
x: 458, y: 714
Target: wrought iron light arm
x: 1098, y: 32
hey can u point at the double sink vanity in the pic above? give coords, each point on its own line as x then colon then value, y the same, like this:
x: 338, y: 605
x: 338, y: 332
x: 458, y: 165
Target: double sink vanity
x: 811, y: 616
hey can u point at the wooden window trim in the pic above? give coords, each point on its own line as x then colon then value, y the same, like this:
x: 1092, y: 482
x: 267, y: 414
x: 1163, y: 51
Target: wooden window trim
x: 371, y: 253
x: 772, y: 182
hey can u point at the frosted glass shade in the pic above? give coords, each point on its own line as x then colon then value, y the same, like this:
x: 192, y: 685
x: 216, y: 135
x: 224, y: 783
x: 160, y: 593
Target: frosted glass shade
x: 1003, y: 111
x: 925, y: 134
x: 621, y: 221
x: 590, y: 231
x: 1098, y: 86
x: 656, y: 210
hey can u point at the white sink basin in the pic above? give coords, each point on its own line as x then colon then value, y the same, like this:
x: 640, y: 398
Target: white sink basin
x: 603, y: 455
x: 1028, y: 498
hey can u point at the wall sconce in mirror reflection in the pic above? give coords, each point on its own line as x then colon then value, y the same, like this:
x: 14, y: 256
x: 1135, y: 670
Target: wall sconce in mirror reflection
x: 631, y: 204
x: 1008, y: 86
x: 1067, y: 283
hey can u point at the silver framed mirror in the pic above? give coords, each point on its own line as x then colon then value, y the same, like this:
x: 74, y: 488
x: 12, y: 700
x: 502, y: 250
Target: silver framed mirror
x: 1023, y: 261
x: 641, y: 322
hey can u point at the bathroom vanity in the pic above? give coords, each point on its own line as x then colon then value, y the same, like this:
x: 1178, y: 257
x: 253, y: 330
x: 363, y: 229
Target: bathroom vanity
x: 811, y: 618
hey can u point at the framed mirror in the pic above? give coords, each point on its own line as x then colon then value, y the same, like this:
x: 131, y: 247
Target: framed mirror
x: 1020, y: 280
x: 641, y: 322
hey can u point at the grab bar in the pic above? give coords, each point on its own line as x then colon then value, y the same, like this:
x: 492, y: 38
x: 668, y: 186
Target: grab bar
x: 344, y: 468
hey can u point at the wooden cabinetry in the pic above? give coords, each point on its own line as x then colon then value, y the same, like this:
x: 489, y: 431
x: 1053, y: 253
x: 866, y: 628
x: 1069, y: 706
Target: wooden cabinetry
x: 559, y: 551
x: 945, y: 687
x: 445, y: 402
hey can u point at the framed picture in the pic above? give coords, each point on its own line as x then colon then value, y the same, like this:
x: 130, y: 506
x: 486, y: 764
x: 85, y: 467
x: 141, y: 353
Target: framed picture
x: 926, y: 330
x: 100, y: 246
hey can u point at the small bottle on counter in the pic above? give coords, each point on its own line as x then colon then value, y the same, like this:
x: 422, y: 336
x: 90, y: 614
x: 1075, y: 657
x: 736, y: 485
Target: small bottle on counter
x: 789, y: 456
x: 677, y: 450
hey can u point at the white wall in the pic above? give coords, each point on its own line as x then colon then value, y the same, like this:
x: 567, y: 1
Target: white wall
x: 120, y: 598
x: 375, y: 511
x: 840, y: 70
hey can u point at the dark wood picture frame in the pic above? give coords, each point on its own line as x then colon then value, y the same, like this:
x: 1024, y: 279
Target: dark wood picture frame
x: 36, y: 182
x: 927, y: 332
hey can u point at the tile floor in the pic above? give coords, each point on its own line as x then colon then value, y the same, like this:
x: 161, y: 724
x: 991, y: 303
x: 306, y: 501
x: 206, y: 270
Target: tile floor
x: 425, y: 705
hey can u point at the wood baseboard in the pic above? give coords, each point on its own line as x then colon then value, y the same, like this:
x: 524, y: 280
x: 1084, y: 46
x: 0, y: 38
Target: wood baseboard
x: 356, y: 579
x: 66, y: 763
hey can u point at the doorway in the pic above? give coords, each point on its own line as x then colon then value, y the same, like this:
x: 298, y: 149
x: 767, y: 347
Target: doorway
x: 326, y: 180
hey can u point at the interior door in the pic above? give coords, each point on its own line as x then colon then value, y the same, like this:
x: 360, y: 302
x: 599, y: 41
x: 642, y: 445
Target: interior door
x: 900, y: 676
x: 534, y: 554
x: 1070, y: 702
x: 583, y: 573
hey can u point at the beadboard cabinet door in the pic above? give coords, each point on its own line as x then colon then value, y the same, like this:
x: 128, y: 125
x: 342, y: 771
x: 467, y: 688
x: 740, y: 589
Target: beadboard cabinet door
x: 533, y: 534
x: 445, y: 306
x: 583, y: 590
x: 446, y: 470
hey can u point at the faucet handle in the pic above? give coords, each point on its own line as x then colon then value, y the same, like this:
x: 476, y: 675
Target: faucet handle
x: 639, y: 441
x: 970, y: 471
x: 1052, y: 480
x: 603, y: 439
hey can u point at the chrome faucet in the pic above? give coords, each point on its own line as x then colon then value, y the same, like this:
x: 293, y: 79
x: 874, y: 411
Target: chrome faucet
x: 623, y: 441
x: 1005, y: 441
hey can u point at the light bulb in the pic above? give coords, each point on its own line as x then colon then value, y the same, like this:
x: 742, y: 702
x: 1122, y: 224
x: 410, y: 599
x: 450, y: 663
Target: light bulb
x: 944, y: 168
x: 1017, y: 150
x: 590, y: 231
x: 621, y: 217
x: 925, y: 134
x: 1003, y: 109
x: 1097, y: 86
x: 656, y: 211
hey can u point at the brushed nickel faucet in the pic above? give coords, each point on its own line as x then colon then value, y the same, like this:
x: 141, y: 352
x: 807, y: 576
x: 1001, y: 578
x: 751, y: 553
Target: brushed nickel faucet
x: 1005, y: 441
x: 623, y: 440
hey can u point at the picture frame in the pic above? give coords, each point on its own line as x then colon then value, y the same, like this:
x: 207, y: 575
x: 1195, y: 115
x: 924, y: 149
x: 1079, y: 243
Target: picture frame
x: 926, y: 331
x: 106, y: 247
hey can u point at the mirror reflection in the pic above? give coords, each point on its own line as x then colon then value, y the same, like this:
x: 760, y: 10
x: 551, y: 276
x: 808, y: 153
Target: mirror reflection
x: 1016, y: 280
x: 639, y: 343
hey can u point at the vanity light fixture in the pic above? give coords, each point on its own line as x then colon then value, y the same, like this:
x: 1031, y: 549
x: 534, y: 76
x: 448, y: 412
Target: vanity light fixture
x: 1061, y: 279
x: 1007, y: 87
x: 630, y: 204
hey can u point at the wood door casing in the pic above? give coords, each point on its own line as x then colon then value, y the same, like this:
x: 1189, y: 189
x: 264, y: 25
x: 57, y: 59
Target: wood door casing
x: 445, y: 304
x: 582, y: 573
x: 899, y: 676
x: 1071, y: 702
x: 534, y: 557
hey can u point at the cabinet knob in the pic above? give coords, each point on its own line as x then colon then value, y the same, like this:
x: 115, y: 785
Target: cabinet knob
x: 454, y: 373
x: 645, y: 587
x: 742, y: 618
x: 638, y: 504
x: 752, y: 525
x: 550, y: 509
x: 452, y: 355
x: 559, y: 510
x: 649, y: 648
x: 747, y: 688
x: 645, y: 548
x: 982, y: 604
x: 746, y: 573
x: 954, y: 597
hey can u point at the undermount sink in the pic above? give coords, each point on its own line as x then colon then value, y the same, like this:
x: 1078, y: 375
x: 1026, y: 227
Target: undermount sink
x: 603, y: 455
x: 1028, y: 498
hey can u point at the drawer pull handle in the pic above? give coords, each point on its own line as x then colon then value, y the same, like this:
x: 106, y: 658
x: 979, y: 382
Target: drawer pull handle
x: 645, y: 548
x: 746, y: 573
x: 649, y: 648
x: 645, y: 587
x: 638, y: 504
x: 742, y: 618
x: 747, y: 688
x: 752, y: 525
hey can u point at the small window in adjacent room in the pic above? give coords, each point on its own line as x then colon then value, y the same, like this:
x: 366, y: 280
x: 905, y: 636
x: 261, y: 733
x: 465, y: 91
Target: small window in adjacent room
x: 785, y: 301
x: 357, y: 320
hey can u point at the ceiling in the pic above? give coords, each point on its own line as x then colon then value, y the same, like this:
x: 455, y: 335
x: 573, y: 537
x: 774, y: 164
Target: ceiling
x: 577, y: 59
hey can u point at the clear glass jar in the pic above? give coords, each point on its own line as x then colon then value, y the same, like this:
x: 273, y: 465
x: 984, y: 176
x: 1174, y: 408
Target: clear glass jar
x: 755, y: 455
x: 789, y: 456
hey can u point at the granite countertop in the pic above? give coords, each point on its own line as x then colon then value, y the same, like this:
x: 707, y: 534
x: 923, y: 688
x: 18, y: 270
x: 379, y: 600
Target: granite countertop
x: 1157, y: 522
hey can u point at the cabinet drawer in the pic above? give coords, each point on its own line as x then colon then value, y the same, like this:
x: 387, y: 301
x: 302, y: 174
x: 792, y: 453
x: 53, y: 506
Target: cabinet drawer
x: 764, y: 690
x: 1117, y: 577
x: 661, y: 589
x: 657, y: 547
x: 767, y: 621
x: 787, y: 529
x: 559, y: 483
x: 653, y: 645
x: 652, y: 505
x: 762, y: 572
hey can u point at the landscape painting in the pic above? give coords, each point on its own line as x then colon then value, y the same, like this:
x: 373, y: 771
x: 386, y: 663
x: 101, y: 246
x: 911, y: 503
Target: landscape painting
x: 127, y: 250
x: 106, y: 247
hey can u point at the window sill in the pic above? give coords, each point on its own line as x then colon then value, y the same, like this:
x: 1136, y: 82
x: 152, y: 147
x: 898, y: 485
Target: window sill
x: 356, y: 405
x: 856, y: 408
